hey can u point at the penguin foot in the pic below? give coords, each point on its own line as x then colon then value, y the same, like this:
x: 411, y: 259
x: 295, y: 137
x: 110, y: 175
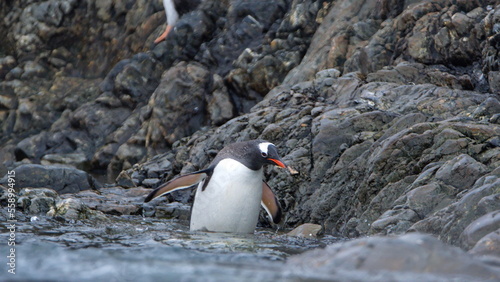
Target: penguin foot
x: 164, y: 34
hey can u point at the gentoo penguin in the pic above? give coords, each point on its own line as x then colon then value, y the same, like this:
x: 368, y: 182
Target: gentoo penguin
x: 231, y: 190
x: 172, y: 11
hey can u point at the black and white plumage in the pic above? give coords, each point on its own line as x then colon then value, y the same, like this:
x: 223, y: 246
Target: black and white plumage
x: 173, y: 10
x: 231, y: 190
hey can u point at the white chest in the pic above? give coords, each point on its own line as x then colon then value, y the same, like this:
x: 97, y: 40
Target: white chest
x: 230, y: 201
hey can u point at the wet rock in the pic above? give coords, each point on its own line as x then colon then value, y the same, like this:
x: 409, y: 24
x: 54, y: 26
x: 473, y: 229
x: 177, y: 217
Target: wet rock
x: 119, y: 209
x: 488, y: 248
x: 173, y: 210
x: 306, y: 230
x: 386, y: 259
x: 113, y: 200
x: 73, y: 209
x: 124, y: 180
x: 61, y: 179
x: 479, y: 228
x: 37, y: 201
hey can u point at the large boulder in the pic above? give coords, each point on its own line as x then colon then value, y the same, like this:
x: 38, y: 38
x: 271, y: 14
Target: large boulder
x: 405, y: 258
x: 61, y: 179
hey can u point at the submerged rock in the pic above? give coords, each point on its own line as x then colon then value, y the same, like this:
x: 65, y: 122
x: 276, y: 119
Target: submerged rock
x: 306, y: 230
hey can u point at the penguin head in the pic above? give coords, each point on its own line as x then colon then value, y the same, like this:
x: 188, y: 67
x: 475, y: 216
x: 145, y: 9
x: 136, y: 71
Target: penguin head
x: 269, y: 154
x: 253, y: 154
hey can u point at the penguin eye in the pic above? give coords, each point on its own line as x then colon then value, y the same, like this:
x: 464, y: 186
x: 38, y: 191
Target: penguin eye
x: 264, y: 154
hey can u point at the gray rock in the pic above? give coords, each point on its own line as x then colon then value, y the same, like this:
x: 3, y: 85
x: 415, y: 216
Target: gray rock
x: 306, y: 230
x: 179, y: 100
x: 7, y: 63
x: 386, y: 258
x: 479, y: 228
x: 37, y: 200
x: 112, y: 200
x: 61, y: 179
x: 8, y: 101
x: 461, y: 172
x: 124, y: 180
x: 14, y: 73
x: 489, y: 107
x: 137, y: 79
x: 395, y: 221
x: 488, y: 248
x: 32, y: 69
x: 493, y: 79
x: 219, y: 106
x: 451, y: 221
x: 455, y: 41
x: 77, y: 160
x: 73, y: 209
x: 428, y: 198
x: 328, y: 73
x: 173, y: 210
x: 151, y: 182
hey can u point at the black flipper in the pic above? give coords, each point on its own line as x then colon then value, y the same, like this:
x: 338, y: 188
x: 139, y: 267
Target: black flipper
x: 181, y: 182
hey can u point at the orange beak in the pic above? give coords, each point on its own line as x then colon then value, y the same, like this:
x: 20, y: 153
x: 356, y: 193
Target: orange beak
x: 278, y: 163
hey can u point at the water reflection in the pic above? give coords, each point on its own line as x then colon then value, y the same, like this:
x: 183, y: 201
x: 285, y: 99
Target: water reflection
x: 133, y: 248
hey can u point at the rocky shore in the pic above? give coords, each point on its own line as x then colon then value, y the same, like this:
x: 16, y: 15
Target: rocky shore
x: 387, y: 111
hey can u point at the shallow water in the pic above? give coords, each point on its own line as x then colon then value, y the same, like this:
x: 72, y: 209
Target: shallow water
x: 135, y: 248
